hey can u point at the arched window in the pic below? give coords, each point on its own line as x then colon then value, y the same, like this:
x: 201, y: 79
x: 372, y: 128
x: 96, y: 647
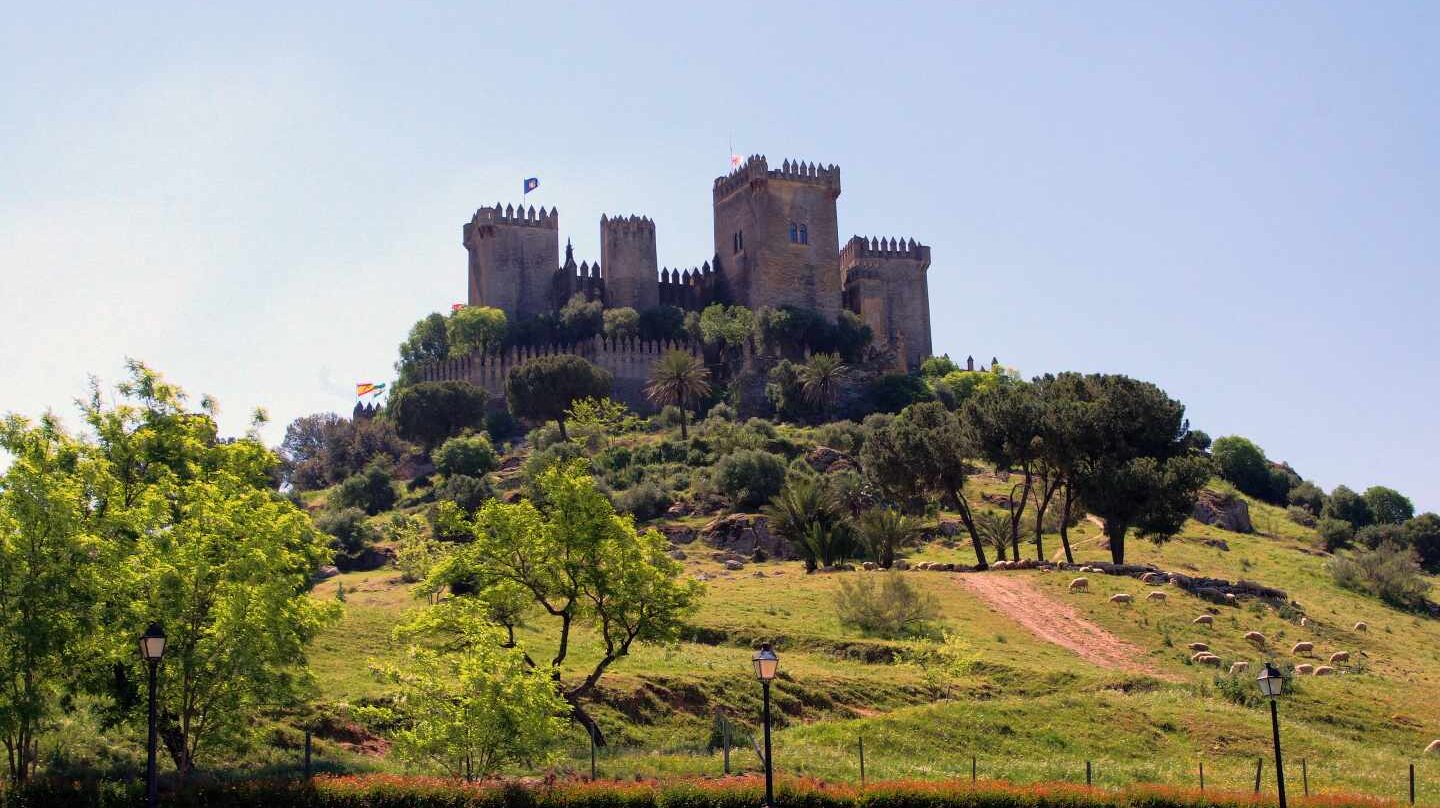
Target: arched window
x: 804, y: 235
x: 794, y: 234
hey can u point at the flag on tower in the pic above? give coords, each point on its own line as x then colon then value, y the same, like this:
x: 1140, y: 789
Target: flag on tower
x: 531, y: 184
x: 366, y: 388
x: 454, y: 307
x: 734, y: 161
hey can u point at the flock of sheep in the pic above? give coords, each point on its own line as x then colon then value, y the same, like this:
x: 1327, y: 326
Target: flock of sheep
x: 1201, y: 654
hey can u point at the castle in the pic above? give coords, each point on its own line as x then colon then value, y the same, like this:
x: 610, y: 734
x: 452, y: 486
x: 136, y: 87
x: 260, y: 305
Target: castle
x: 776, y: 244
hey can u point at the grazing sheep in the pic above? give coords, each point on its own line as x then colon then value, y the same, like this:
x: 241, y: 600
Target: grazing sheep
x: 1239, y: 667
x: 1304, y: 669
x: 1324, y: 670
x: 1122, y: 598
x: 1204, y: 620
x: 1339, y: 656
x: 1304, y: 622
x: 1433, y: 748
x: 1361, y: 627
x: 1303, y: 648
x: 1210, y: 659
x: 1255, y: 637
x: 1198, y: 646
x: 1160, y: 596
x: 1080, y: 585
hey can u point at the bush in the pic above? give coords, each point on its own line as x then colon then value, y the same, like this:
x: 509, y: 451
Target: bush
x: 844, y: 436
x: 892, y: 609
x: 1334, y: 533
x: 1301, y: 516
x: 748, y: 479
x: 468, y: 493
x: 894, y: 392
x: 501, y: 425
x: 645, y: 500
x: 471, y: 455
x: 1308, y: 496
x: 430, y: 412
x: 349, y: 528
x: 371, y: 490
x: 1389, y: 572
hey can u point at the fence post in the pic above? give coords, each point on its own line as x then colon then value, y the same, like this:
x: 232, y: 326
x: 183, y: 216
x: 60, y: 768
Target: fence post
x: 972, y: 768
x: 1259, y: 764
x: 862, y: 760
x: 1412, y: 783
x: 1305, y: 775
x: 1202, y: 775
x: 725, y: 739
x: 307, y: 753
x: 1087, y: 772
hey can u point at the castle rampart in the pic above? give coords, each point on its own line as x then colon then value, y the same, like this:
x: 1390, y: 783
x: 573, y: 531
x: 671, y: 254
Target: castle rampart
x: 886, y: 283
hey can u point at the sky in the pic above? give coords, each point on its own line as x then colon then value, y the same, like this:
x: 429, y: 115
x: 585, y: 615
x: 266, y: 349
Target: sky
x: 1236, y: 201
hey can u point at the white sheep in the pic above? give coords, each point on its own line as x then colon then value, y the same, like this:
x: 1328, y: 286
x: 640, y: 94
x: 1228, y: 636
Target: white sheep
x: 1324, y: 670
x: 1122, y: 598
x: 1339, y: 656
x: 1304, y: 669
x: 1160, y: 596
x: 1204, y: 620
x: 1303, y: 648
x: 1433, y: 748
x: 1080, y: 585
x: 1255, y: 637
x: 1239, y: 667
x: 1304, y: 622
x: 1361, y: 627
x: 1198, y: 646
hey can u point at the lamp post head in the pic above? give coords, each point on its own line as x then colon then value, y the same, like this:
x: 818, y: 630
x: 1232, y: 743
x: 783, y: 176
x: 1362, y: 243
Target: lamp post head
x: 766, y: 663
x: 152, y: 643
x: 1270, y: 680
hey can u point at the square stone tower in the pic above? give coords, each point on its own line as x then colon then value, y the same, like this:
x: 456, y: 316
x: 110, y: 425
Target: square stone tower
x: 514, y: 255
x: 886, y: 284
x: 776, y: 238
x: 627, y: 252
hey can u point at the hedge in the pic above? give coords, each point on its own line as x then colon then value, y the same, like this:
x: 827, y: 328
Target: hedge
x: 384, y: 791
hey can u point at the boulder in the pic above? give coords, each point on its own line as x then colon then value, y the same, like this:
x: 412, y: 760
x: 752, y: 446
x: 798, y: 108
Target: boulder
x: 868, y: 566
x: 678, y: 534
x: 326, y: 571
x: 744, y: 534
x: 900, y: 564
x: 677, y: 554
x: 679, y: 509
x: 1225, y: 512
x: 949, y: 528
x: 734, y: 564
x: 826, y: 460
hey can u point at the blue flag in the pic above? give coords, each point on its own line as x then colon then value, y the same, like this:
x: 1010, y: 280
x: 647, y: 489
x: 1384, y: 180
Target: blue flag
x: 531, y: 184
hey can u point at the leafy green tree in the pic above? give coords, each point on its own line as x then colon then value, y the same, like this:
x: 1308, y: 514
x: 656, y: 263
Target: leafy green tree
x: 350, y: 531
x: 1244, y: 464
x: 545, y: 388
x: 621, y: 323
x: 471, y: 455
x: 430, y: 412
x: 662, y: 323
x: 582, y: 564
x: 938, y: 366
x: 820, y: 378
x: 581, y: 319
x: 806, y: 515
x: 1348, y: 506
x: 473, y: 329
x: 372, y: 490
x: 50, y: 575
x: 428, y: 341
x: 323, y: 449
x: 894, y: 392
x: 1423, y: 535
x: 962, y: 384
x: 1006, y: 426
x: 1308, y: 496
x: 1334, y: 533
x: 749, y: 478
x: 681, y: 379
x: 883, y: 531
x: 472, y: 706
x: 1388, y: 506
x: 852, y: 336
x: 994, y: 528
x: 726, y: 327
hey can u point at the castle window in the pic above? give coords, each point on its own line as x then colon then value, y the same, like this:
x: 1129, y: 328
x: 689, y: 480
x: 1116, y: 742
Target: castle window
x: 794, y: 234
x: 737, y: 241
x: 804, y: 235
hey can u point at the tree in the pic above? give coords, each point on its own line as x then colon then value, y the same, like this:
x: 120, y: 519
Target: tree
x: 430, y: 412
x: 471, y: 455
x: 883, y: 531
x: 544, y: 388
x: 428, y: 341
x: 621, y: 323
x: 472, y: 329
x: 852, y: 336
x: 1244, y: 464
x: 923, y: 450
x: 1389, y: 572
x: 805, y: 514
x: 1347, y: 506
x: 50, y: 572
x: 894, y: 392
x: 749, y: 478
x: 1334, y: 533
x: 1139, y: 469
x: 581, y: 319
x: 1006, y: 426
x: 1308, y: 496
x: 1423, y: 535
x: 678, y: 378
x: 726, y: 327
x: 662, y: 323
x: 1388, y: 506
x: 582, y: 564
x: 372, y: 490
x: 473, y: 706
x: 820, y: 379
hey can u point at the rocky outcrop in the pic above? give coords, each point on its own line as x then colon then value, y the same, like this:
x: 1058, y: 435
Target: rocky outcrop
x: 1227, y: 512
x: 743, y: 534
x: 826, y: 460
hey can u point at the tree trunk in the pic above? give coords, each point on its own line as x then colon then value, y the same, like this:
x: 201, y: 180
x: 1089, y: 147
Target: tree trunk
x: 969, y: 520
x: 1115, y: 533
x: 585, y: 720
x: 1017, y: 514
x: 684, y: 433
x: 1065, y: 525
x: 563, y: 434
x: 1047, y: 489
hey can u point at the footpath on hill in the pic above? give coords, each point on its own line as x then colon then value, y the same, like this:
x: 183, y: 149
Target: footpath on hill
x: 1056, y: 622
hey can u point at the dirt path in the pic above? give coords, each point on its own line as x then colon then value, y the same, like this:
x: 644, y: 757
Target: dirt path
x: 1055, y: 621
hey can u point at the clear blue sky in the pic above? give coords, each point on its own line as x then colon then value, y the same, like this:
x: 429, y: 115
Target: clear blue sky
x: 1236, y: 201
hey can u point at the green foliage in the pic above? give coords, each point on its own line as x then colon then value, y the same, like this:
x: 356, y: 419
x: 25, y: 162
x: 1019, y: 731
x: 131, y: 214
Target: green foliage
x: 1243, y: 463
x: 1301, y: 516
x: 645, y: 501
x: 323, y: 449
x: 471, y: 455
x: 544, y: 388
x: 938, y: 366
x: 783, y: 391
x: 662, y: 323
x: 959, y: 385
x: 680, y: 379
x: 468, y: 493
x: 1349, y: 506
x: 1388, y: 506
x: 472, y: 329
x: 994, y: 530
x: 726, y: 326
x: 749, y: 478
x: 1334, y: 533
x: 892, y: 609
x: 621, y: 323
x: 371, y: 491
x: 1307, y: 495
x: 883, y: 531
x: 349, y: 529
x: 428, y: 341
x: 820, y: 378
x: 430, y: 412
x: 1422, y: 534
x: 894, y: 392
x: 580, y: 319
x: 416, y: 550
x: 1389, y: 572
x: 805, y: 514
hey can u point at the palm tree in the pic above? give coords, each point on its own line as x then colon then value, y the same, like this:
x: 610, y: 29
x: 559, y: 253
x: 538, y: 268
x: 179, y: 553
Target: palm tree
x: 884, y: 530
x: 994, y: 530
x: 820, y: 379
x: 805, y: 514
x: 676, y: 378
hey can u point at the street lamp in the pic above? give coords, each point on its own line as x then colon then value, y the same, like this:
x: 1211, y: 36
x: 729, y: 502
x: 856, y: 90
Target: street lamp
x: 1272, y: 682
x: 766, y: 666
x: 152, y: 649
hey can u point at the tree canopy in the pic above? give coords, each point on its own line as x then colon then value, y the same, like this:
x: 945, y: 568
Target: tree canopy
x: 430, y: 412
x: 544, y: 388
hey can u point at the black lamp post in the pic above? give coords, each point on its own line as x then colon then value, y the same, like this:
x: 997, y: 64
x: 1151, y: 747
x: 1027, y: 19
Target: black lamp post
x: 766, y: 666
x: 1272, y: 682
x: 152, y: 648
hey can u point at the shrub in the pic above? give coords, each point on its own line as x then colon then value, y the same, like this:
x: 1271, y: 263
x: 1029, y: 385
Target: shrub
x: 1308, y: 496
x: 468, y: 493
x: 501, y: 425
x: 430, y: 412
x: 893, y: 608
x: 371, y: 490
x: 1388, y: 506
x: 349, y: 528
x: 844, y: 436
x: 1334, y: 533
x: 645, y: 500
x: 748, y: 479
x: 1345, y: 504
x: 894, y: 392
x: 470, y: 455
x: 1388, y: 572
x: 1301, y: 516
x: 722, y: 412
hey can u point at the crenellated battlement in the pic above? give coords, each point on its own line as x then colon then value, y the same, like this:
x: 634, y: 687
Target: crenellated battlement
x: 627, y: 225
x: 798, y: 170
x: 757, y: 168
x: 861, y: 247
x: 517, y: 217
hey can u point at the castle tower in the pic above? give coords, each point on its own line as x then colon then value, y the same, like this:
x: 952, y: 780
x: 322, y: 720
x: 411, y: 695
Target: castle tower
x: 886, y: 283
x: 514, y: 253
x: 776, y: 236
x: 627, y: 251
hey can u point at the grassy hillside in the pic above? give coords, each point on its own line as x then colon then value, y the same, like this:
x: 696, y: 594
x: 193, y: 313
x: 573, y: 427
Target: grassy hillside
x: 1025, y: 706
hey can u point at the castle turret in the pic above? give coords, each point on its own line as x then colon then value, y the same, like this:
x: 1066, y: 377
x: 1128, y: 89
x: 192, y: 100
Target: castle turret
x: 886, y: 284
x: 514, y: 253
x: 627, y: 251
x: 776, y: 235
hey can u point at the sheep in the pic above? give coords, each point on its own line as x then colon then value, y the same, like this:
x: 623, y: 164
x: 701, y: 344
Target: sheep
x: 1210, y: 659
x: 1122, y: 598
x: 1198, y: 646
x: 1239, y: 667
x: 1080, y: 585
x: 1304, y: 622
x: 1154, y: 578
x: 1303, y: 648
x: 1255, y: 637
x: 1361, y: 627
x: 1160, y: 596
x: 1204, y: 620
x: 1339, y: 656
x: 1304, y: 669
x: 1324, y: 670
x: 1433, y: 748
